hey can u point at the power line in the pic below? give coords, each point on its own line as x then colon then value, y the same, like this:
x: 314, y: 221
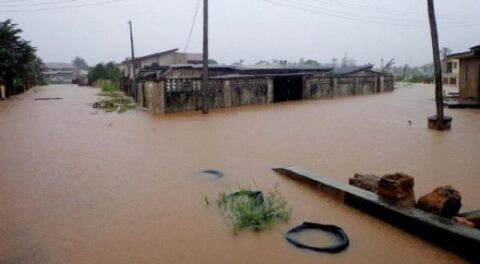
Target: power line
x: 61, y: 7
x: 382, y: 18
x: 389, y: 12
x: 347, y: 13
x: 353, y: 16
x: 310, y: 10
x: 26, y: 4
x: 193, y: 25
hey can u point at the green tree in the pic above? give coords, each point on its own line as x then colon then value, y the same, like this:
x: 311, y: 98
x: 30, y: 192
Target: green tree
x: 97, y: 73
x: 16, y: 57
x: 445, y: 52
x: 36, y: 73
x: 104, y: 72
x: 112, y: 72
x: 311, y: 63
x: 80, y: 63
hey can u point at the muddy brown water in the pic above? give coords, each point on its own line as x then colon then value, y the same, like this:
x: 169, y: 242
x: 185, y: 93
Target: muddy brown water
x: 80, y: 186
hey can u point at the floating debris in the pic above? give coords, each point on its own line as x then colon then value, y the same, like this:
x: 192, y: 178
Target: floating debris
x: 114, y: 102
x: 49, y: 99
x: 215, y: 173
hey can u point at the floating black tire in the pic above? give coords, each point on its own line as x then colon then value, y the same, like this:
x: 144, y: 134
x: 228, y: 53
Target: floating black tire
x: 343, y: 241
x: 256, y: 195
x: 215, y: 173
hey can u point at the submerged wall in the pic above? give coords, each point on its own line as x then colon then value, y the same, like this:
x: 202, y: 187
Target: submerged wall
x: 178, y: 95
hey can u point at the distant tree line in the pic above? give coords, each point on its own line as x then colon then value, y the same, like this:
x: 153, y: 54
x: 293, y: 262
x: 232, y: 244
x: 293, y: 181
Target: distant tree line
x: 414, y: 74
x: 420, y: 74
x: 20, y: 68
x: 346, y: 61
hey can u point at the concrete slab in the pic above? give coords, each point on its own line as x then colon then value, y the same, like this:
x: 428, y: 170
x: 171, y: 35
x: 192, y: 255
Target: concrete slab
x: 462, y: 240
x: 459, y: 104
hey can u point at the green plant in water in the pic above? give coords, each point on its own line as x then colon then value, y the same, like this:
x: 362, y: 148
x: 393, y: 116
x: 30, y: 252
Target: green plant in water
x: 109, y: 87
x: 114, y: 101
x: 251, y: 210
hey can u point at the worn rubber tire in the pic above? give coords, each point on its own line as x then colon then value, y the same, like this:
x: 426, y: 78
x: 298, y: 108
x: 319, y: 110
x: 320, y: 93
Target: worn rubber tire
x: 343, y: 241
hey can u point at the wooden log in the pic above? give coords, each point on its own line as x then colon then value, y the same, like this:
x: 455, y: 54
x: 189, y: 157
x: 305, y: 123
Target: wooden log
x: 397, y: 189
x: 367, y: 182
x: 443, y: 201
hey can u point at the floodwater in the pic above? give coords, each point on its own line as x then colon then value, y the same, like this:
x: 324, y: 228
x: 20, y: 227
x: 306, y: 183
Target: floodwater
x: 80, y: 186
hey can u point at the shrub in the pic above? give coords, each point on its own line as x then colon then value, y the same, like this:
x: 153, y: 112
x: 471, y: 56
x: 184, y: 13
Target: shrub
x: 109, y: 87
x: 251, y: 210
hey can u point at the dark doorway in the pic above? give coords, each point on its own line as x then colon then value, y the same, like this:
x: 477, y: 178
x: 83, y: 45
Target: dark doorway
x: 144, y: 97
x: 287, y: 89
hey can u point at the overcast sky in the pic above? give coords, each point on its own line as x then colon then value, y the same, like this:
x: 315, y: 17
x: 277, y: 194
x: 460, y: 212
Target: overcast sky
x: 252, y: 30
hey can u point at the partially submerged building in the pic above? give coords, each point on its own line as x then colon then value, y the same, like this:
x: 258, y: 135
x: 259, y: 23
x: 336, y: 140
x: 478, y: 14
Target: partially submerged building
x: 159, y: 59
x: 176, y: 88
x: 60, y: 72
x: 469, y: 73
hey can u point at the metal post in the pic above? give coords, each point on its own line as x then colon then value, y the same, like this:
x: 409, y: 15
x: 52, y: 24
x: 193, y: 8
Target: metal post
x: 205, y: 57
x: 134, y: 74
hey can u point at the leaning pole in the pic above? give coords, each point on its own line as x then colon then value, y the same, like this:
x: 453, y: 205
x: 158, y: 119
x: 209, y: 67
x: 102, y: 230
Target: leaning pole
x: 440, y: 121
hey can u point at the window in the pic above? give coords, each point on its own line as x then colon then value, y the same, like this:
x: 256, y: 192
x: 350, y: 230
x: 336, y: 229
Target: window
x: 455, y: 65
x: 449, y: 67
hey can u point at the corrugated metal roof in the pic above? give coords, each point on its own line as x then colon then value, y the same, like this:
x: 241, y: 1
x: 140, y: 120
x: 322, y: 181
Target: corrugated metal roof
x: 59, y: 66
x: 474, y: 52
x: 152, y: 55
x: 352, y: 69
x: 475, y: 48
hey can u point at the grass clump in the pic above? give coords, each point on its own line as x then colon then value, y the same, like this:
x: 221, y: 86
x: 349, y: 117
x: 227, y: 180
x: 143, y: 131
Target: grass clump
x: 114, y: 102
x: 251, y: 210
x: 109, y: 87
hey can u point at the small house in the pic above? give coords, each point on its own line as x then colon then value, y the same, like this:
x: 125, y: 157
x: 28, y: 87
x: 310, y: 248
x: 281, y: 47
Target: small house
x: 160, y: 59
x: 469, y: 73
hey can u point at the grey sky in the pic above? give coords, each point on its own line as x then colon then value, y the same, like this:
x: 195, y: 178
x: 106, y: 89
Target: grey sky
x: 246, y: 29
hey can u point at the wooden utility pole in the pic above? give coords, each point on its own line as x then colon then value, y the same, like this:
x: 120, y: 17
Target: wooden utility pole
x: 205, y: 57
x: 134, y: 74
x: 440, y: 123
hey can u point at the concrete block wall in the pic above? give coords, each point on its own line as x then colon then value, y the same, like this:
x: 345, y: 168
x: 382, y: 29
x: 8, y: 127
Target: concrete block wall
x: 326, y: 87
x: 151, y: 95
x: 249, y: 91
x: 388, y: 84
x: 186, y: 95
x: 180, y: 95
x: 318, y: 88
